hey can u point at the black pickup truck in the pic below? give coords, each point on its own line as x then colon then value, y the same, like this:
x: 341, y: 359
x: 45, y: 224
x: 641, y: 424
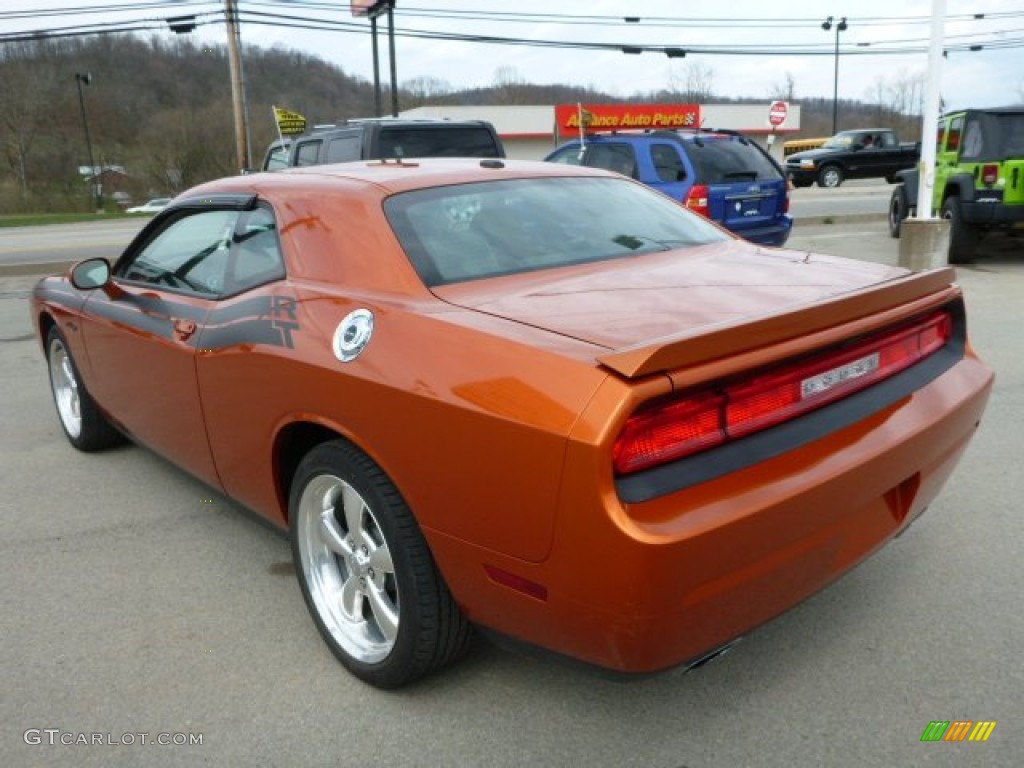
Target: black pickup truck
x: 861, y: 154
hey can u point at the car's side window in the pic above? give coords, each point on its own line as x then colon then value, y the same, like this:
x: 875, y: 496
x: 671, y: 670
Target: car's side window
x: 667, y: 163
x: 620, y: 158
x: 940, y: 137
x: 189, y: 255
x: 211, y: 253
x: 307, y: 153
x: 277, y: 158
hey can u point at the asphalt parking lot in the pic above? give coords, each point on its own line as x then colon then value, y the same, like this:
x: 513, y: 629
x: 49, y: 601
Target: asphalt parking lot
x: 136, y: 601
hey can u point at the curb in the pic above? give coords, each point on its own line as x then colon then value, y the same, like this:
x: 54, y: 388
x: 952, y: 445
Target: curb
x: 852, y: 218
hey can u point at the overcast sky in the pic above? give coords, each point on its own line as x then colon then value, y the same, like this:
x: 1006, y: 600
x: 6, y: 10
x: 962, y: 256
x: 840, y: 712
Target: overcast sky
x: 988, y: 77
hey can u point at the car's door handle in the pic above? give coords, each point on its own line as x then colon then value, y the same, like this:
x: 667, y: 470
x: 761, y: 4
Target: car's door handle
x: 184, y: 328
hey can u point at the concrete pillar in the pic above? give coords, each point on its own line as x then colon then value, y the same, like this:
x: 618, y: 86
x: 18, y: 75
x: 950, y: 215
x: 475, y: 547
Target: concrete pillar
x: 924, y: 244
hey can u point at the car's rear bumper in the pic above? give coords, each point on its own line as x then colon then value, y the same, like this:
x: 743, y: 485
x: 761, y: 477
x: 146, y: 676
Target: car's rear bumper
x: 647, y: 586
x: 775, y: 234
x: 993, y: 213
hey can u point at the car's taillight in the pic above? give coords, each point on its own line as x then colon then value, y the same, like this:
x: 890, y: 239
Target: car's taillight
x: 990, y: 174
x: 785, y: 202
x: 697, y: 200
x: 680, y: 427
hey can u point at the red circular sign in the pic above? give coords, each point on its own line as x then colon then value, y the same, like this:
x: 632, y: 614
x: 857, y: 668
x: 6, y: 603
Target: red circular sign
x: 777, y: 113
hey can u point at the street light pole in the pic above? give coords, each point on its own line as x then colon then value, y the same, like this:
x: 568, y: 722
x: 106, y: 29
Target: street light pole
x: 97, y: 189
x: 840, y: 27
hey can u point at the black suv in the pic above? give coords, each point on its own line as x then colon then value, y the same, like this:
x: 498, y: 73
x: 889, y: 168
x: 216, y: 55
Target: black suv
x: 720, y: 174
x: 385, y: 138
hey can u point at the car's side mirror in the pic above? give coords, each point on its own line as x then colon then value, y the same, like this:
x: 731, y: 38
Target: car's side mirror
x: 90, y: 274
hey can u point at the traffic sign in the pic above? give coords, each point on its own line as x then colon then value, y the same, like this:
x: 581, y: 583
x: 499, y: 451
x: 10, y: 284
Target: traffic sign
x: 777, y: 113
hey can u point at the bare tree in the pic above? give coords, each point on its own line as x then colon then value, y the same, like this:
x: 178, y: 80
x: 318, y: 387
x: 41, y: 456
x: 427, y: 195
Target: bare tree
x: 425, y: 90
x: 510, y: 87
x: 785, y: 90
x: 28, y: 91
x: 694, y: 85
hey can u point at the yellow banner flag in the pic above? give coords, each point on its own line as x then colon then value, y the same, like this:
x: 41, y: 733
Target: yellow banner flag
x: 289, y: 122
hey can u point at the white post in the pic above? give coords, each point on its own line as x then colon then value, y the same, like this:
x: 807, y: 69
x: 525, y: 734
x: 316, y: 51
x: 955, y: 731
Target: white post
x: 930, y: 119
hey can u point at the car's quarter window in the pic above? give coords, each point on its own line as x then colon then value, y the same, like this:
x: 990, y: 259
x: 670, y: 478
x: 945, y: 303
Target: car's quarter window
x: 953, y: 139
x: 255, y: 256
x: 210, y: 253
x: 471, y: 231
x: 667, y: 163
x: 343, y: 149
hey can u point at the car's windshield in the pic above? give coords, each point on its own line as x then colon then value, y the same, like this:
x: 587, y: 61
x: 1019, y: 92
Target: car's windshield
x: 471, y: 231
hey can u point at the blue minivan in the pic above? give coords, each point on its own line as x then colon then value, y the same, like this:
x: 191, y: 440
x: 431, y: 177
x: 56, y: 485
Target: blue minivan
x: 722, y: 175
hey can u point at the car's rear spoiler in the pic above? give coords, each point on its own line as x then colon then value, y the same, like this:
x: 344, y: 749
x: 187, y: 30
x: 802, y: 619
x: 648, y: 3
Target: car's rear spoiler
x: 751, y: 333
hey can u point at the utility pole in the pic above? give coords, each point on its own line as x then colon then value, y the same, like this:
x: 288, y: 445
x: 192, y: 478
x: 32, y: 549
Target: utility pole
x: 242, y: 154
x: 95, y: 174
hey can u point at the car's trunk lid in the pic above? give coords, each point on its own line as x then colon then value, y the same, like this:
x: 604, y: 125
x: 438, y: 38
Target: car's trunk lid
x: 649, y: 311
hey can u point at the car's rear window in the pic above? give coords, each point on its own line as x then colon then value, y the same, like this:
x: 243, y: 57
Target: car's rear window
x: 454, y: 141
x: 472, y: 231
x: 993, y: 137
x: 726, y: 161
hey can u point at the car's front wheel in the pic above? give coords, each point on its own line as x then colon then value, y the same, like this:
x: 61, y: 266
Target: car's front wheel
x: 84, y: 424
x: 830, y: 176
x: 366, y: 572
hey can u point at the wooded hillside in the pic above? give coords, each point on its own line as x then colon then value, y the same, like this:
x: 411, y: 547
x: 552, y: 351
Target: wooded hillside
x: 161, y: 110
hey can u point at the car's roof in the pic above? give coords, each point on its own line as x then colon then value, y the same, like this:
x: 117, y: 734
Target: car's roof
x: 391, y: 176
x: 1012, y: 109
x: 682, y: 134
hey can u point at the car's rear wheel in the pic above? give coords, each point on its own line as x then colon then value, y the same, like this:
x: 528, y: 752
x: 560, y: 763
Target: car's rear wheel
x: 85, y: 426
x: 366, y: 572
x: 830, y: 176
x: 898, y: 210
x: 962, y: 238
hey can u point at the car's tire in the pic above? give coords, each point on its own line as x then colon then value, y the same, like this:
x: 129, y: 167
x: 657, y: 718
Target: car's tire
x: 82, y: 421
x: 898, y: 210
x: 963, y: 239
x: 830, y: 176
x: 366, y: 572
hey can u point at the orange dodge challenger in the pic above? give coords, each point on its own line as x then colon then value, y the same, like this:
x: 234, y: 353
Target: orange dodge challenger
x: 542, y: 400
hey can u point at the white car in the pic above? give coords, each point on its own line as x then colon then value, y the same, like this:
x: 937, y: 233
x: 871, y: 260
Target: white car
x: 155, y: 205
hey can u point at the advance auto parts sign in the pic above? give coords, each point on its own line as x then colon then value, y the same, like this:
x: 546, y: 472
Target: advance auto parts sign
x: 616, y: 117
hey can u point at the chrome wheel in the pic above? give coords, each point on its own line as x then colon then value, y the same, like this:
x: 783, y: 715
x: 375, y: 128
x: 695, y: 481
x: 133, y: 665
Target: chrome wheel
x: 65, y: 388
x: 347, y: 568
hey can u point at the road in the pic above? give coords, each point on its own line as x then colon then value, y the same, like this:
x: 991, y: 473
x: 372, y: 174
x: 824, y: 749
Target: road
x: 135, y: 600
x: 65, y: 243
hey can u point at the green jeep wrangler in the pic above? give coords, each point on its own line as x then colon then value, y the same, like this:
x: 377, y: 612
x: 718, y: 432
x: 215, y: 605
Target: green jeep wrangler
x: 979, y: 177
